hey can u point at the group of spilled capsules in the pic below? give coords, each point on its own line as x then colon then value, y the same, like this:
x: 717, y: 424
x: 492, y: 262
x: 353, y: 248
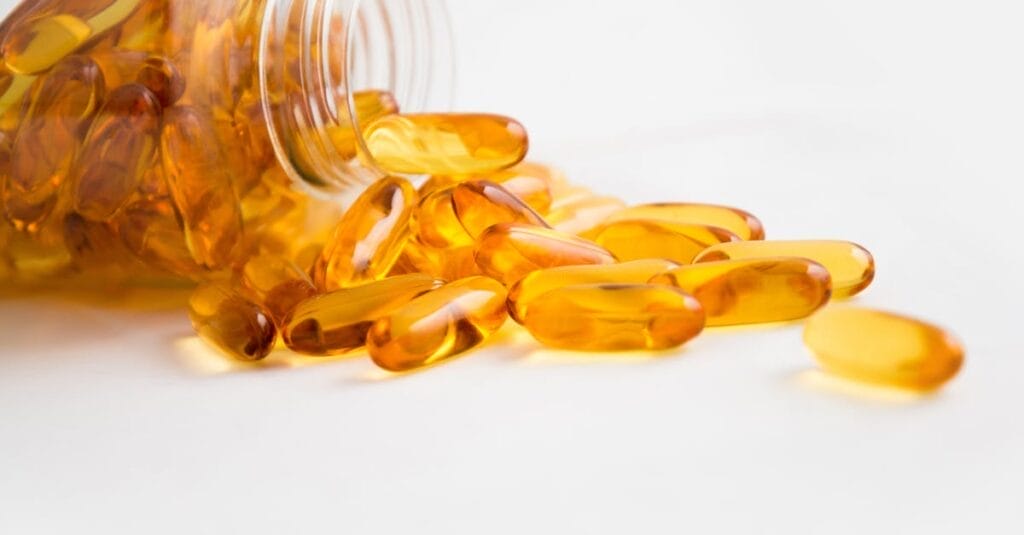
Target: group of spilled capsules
x: 418, y: 276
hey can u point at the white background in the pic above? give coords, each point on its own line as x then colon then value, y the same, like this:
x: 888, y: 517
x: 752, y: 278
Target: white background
x: 894, y: 123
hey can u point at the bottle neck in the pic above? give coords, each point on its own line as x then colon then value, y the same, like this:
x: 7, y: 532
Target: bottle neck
x: 316, y: 57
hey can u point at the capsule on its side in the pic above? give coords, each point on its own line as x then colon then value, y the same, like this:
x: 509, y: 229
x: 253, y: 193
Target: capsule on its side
x: 231, y: 322
x: 579, y: 213
x: 740, y: 222
x: 480, y: 204
x: 633, y: 239
x: 276, y: 283
x: 509, y: 251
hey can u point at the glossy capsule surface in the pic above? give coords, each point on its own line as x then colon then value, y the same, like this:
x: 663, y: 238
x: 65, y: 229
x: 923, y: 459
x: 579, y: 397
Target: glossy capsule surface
x: 149, y: 229
x: 532, y: 286
x: 509, y: 251
x: 232, y: 323
x: 741, y: 223
x: 531, y: 182
x: 614, y: 317
x: 739, y: 292
x: 852, y: 267
x: 438, y: 325
x: 447, y: 264
x: 446, y: 144
x: 633, y: 239
x: 582, y: 212
x: 460, y: 214
x: 368, y: 107
x: 337, y: 322
x: 368, y: 240
x: 277, y: 283
x: 884, y: 348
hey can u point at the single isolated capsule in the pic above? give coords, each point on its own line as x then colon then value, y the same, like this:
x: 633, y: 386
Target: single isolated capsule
x: 446, y: 144
x: 739, y: 292
x: 633, y: 239
x: 884, y: 348
x: 438, y: 325
x: 852, y: 267
x: 614, y: 317
x: 277, y: 283
x: 539, y: 282
x: 739, y: 222
x: 509, y: 251
x: 370, y: 236
x: 337, y: 322
x: 231, y: 322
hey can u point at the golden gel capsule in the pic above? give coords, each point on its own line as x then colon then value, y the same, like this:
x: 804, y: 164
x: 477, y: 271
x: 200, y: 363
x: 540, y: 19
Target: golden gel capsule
x: 150, y: 230
x: 449, y: 264
x: 458, y: 215
x: 369, y: 106
x: 438, y: 325
x: 532, y: 182
x: 738, y: 292
x: 231, y: 322
x: 369, y: 238
x: 880, y: 347
x: 633, y: 239
x: 582, y: 212
x: 852, y: 267
x: 337, y: 322
x: 509, y: 251
x: 199, y: 178
x: 116, y: 152
x: 276, y: 283
x: 446, y: 144
x: 43, y: 42
x: 614, y: 317
x: 739, y: 222
x: 539, y: 282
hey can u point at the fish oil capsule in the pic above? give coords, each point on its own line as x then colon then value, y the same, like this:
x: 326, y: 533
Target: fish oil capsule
x: 369, y: 238
x: 633, y: 239
x: 852, y: 267
x: 581, y: 213
x: 539, y: 282
x: 739, y: 222
x: 337, y: 322
x: 884, y: 348
x: 162, y: 77
x: 458, y: 215
x: 614, y: 317
x: 116, y: 151
x: 199, y: 179
x: 278, y: 284
x: 449, y: 264
x: 446, y: 144
x: 368, y: 106
x: 41, y: 43
x: 739, y: 292
x: 149, y: 229
x: 231, y: 322
x: 95, y: 246
x: 509, y: 251
x: 438, y: 325
x: 532, y: 182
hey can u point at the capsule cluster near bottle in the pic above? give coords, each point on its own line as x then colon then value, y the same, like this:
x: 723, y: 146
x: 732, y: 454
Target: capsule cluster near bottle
x: 122, y: 159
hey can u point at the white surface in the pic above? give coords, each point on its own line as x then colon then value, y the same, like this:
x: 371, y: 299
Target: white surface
x: 894, y: 123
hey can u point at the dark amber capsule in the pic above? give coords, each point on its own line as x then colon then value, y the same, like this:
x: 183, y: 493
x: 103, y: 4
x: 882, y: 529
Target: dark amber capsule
x: 199, y: 178
x: 539, y: 282
x: 150, y: 230
x: 116, y: 152
x: 739, y: 222
x: 446, y: 144
x: 438, y: 325
x: 231, y: 322
x: 276, y: 283
x: 633, y: 239
x: 510, y: 251
x: 852, y: 267
x: 738, y: 292
x: 337, y: 322
x: 369, y: 238
x: 614, y: 317
x: 884, y: 348
x: 161, y: 76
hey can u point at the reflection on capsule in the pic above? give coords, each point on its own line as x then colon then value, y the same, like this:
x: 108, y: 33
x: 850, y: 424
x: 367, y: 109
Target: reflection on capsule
x: 510, y: 251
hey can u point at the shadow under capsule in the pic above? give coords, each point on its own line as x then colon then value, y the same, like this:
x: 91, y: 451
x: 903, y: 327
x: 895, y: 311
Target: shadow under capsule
x: 817, y: 380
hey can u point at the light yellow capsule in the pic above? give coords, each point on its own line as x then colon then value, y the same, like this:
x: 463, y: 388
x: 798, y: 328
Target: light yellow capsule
x: 370, y: 236
x: 739, y: 222
x: 539, y: 282
x: 509, y: 251
x: 446, y: 144
x: 581, y: 212
x: 232, y: 323
x: 884, y: 348
x: 43, y: 42
x: 852, y: 267
x: 738, y: 292
x: 438, y: 325
x: 632, y: 239
x: 614, y: 317
x: 337, y: 322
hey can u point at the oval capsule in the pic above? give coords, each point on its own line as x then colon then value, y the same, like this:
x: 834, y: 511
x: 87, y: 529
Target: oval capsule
x: 539, y: 282
x: 368, y: 240
x: 447, y: 264
x: 509, y: 251
x: 231, y: 322
x: 852, y: 267
x: 614, y: 317
x: 458, y: 215
x: 446, y: 144
x: 740, y: 292
x: 580, y: 213
x: 337, y: 322
x: 438, y: 325
x: 741, y: 223
x: 276, y: 283
x: 149, y: 229
x: 884, y: 348
x: 633, y: 239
